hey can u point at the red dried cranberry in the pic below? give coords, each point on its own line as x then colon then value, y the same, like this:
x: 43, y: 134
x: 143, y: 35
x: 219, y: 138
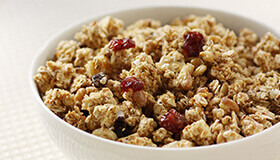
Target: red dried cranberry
x: 131, y: 83
x: 119, y: 44
x: 194, y: 41
x: 173, y: 121
x: 121, y: 127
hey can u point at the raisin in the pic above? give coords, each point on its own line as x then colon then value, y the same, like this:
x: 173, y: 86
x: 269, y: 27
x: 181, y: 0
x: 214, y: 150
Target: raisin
x: 85, y: 112
x: 97, y: 80
x: 131, y: 83
x: 119, y: 44
x: 82, y: 45
x: 122, y: 129
x: 173, y: 121
x: 194, y: 42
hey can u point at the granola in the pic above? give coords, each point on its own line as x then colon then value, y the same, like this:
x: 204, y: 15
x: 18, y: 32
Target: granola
x: 192, y: 82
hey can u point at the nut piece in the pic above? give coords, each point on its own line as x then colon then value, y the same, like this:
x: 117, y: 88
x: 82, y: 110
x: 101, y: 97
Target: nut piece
x: 139, y: 98
x: 105, y: 133
x: 179, y: 144
x: 228, y: 105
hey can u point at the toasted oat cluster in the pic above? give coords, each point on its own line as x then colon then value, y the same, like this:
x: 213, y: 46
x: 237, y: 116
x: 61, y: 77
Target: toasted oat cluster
x: 192, y: 82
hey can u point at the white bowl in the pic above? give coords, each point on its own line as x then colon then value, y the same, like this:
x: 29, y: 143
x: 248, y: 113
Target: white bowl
x: 77, y: 144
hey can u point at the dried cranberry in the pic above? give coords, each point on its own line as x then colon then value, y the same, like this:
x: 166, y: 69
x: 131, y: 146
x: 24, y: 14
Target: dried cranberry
x: 121, y: 127
x: 131, y: 83
x: 194, y: 41
x: 119, y: 44
x: 97, y: 78
x: 173, y: 121
x: 247, y: 101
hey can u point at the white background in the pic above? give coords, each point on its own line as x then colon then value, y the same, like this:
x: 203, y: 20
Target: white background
x: 25, y: 25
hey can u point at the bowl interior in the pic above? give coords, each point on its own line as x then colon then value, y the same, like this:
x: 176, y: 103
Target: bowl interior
x: 164, y: 14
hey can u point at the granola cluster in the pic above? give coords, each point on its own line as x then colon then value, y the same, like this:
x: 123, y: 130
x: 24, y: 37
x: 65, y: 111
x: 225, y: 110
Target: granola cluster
x: 137, y: 85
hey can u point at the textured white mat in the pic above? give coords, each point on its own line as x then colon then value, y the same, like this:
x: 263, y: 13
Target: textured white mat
x: 25, y: 25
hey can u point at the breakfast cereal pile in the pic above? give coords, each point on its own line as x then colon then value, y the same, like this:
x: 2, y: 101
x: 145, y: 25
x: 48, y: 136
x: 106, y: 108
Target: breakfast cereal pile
x: 189, y: 83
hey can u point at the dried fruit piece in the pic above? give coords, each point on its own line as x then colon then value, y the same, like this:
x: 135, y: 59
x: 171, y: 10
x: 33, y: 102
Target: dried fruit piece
x: 119, y: 44
x: 85, y: 112
x: 173, y: 121
x: 194, y: 41
x: 99, y: 80
x: 121, y: 127
x: 131, y: 83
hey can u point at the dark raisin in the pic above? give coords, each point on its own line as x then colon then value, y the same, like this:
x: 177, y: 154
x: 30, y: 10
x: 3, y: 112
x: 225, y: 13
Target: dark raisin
x: 173, y: 121
x: 131, y: 83
x: 122, y: 129
x: 85, y: 112
x: 148, y: 110
x: 176, y: 136
x: 96, y: 80
x: 119, y: 44
x: 82, y: 45
x: 193, y: 45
